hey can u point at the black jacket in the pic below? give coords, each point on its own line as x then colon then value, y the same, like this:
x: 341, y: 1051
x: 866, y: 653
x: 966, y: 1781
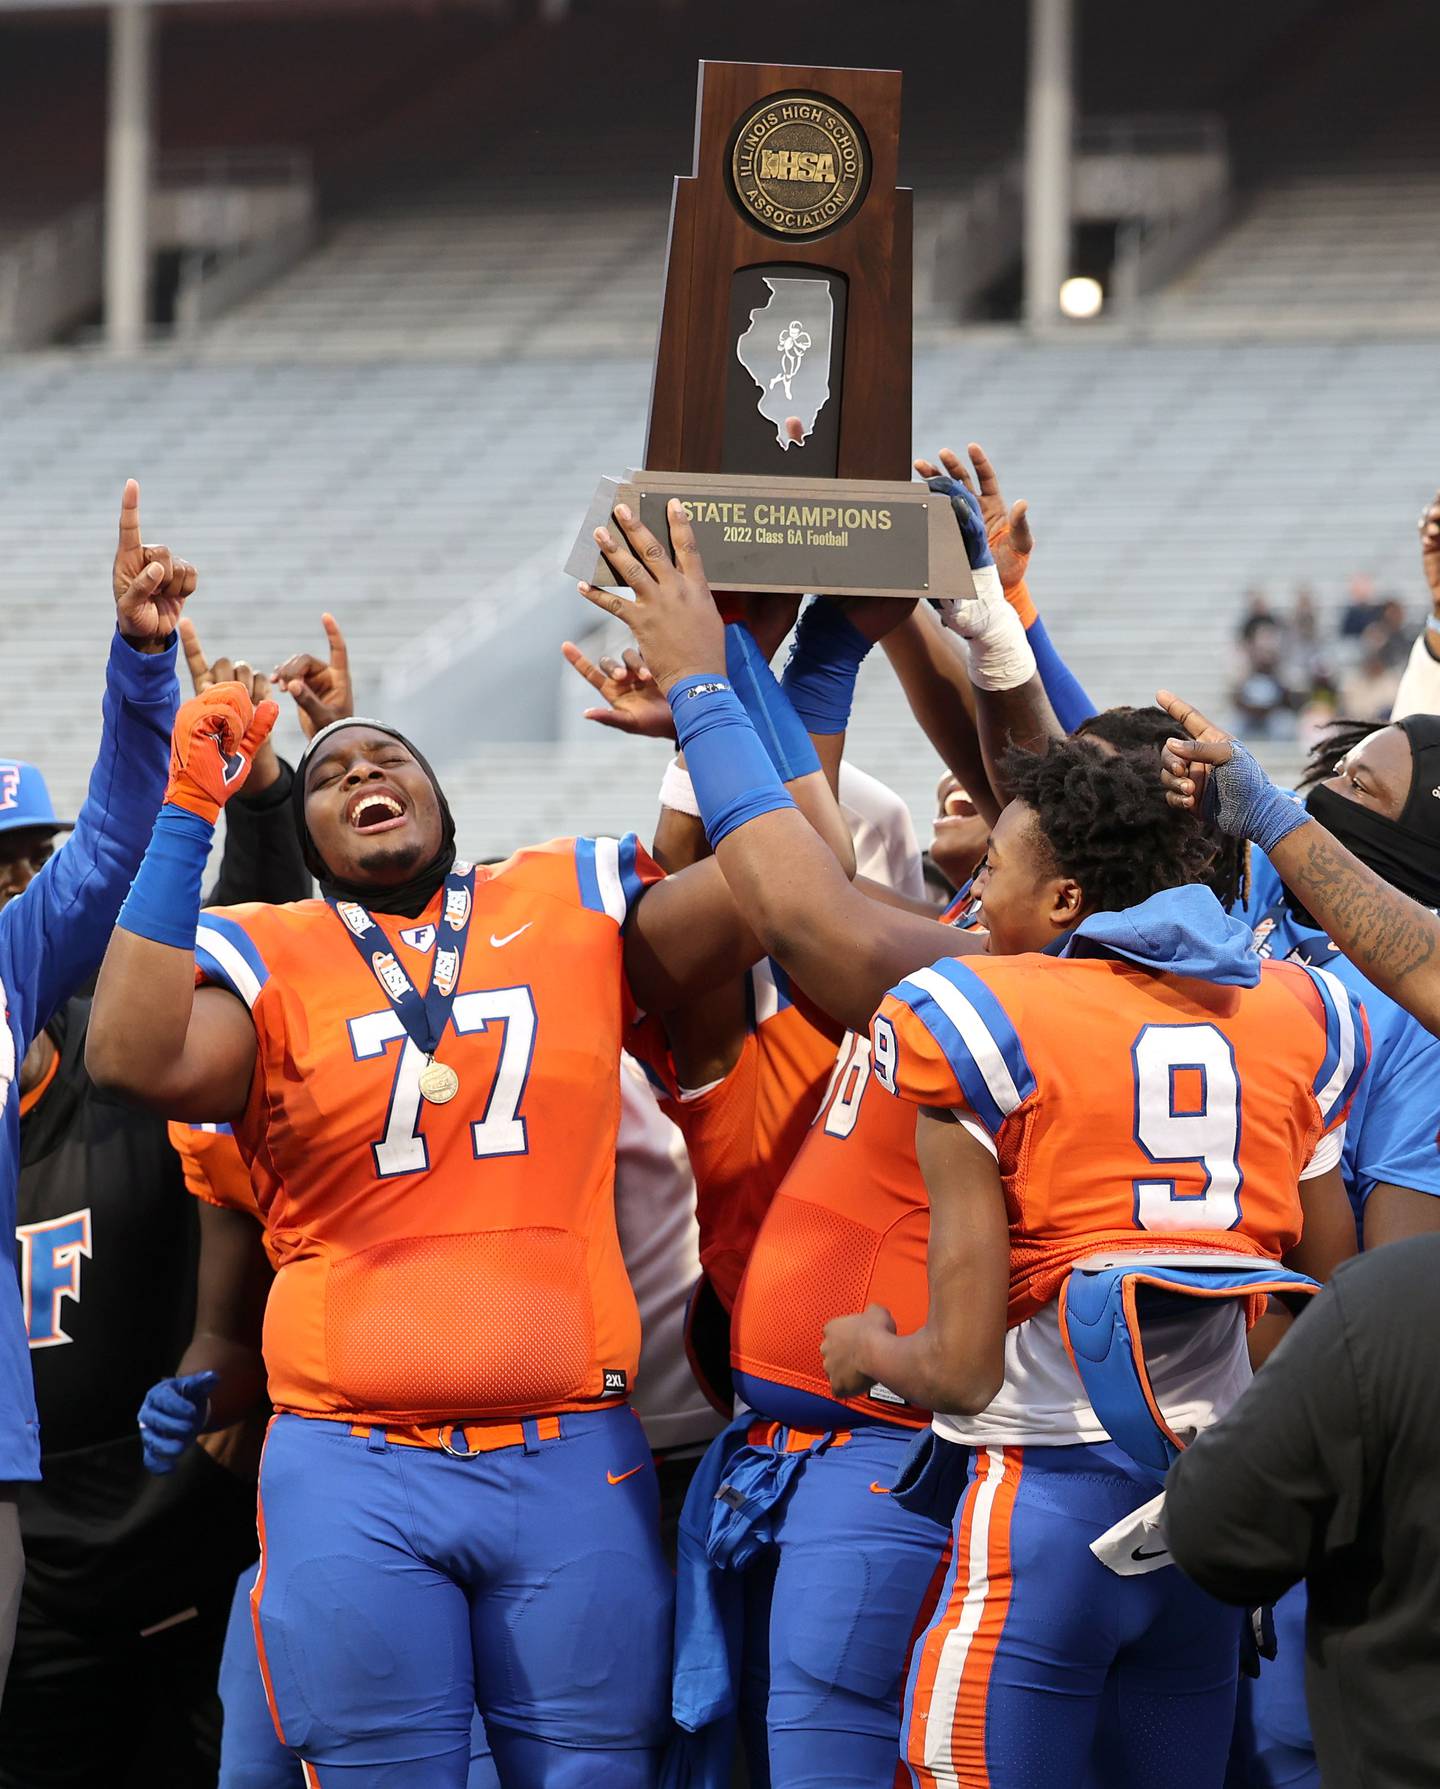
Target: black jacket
x: 1329, y: 1469
x: 108, y: 1246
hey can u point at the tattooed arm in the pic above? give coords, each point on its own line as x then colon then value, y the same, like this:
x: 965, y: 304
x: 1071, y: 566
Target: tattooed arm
x: 1393, y: 939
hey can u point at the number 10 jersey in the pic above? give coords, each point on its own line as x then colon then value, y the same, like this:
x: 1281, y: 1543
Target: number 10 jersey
x: 438, y: 1263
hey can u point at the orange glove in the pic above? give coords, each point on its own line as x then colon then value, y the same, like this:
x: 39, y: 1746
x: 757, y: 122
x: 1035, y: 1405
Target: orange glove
x: 216, y: 737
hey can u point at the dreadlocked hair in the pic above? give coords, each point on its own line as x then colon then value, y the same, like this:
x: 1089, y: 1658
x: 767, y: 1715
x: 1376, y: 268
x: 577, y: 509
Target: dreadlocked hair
x: 1106, y: 822
x: 1337, y: 738
x: 1147, y: 729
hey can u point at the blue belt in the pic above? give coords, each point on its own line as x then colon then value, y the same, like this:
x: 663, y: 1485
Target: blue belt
x: 1101, y: 1310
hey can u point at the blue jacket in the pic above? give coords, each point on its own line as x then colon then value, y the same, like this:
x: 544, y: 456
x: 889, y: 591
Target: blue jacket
x: 1393, y: 1133
x: 52, y: 938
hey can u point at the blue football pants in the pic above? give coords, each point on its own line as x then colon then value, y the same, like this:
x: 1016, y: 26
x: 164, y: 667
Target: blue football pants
x: 1032, y: 1637
x: 251, y: 1755
x: 831, y: 1611
x: 403, y: 1587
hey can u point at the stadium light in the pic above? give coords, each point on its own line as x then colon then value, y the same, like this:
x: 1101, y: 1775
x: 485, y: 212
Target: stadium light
x: 1081, y: 297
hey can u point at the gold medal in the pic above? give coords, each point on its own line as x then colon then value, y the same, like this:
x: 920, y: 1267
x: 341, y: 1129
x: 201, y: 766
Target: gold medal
x: 438, y: 1083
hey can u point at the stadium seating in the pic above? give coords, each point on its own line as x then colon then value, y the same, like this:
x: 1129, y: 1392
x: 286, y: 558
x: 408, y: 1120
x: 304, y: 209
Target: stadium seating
x: 1163, y: 478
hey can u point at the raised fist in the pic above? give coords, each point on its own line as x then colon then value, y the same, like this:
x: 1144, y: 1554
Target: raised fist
x: 216, y: 737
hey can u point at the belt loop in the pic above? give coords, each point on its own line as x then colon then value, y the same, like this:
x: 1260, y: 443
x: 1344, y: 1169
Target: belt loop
x: 530, y: 1429
x: 375, y: 1443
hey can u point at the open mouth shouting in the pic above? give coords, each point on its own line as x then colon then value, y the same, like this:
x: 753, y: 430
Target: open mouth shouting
x: 374, y: 810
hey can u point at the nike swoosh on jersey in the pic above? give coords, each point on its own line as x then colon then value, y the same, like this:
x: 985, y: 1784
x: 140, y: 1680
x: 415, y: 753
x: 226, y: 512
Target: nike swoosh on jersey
x: 510, y: 937
x: 879, y: 1489
x: 1141, y: 1553
x: 618, y: 1478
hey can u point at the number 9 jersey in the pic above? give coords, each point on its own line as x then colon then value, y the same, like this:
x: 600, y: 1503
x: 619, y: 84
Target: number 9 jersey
x: 1128, y: 1109
x: 457, y: 1261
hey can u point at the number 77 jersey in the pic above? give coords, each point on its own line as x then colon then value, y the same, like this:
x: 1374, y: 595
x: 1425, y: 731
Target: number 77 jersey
x: 1128, y: 1109
x: 442, y: 1262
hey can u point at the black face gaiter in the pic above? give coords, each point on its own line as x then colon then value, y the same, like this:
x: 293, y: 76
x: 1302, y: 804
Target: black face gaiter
x: 408, y: 898
x: 1406, y: 852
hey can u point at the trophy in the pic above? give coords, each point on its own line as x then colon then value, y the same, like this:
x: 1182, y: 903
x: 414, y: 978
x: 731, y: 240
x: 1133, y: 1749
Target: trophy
x: 788, y: 295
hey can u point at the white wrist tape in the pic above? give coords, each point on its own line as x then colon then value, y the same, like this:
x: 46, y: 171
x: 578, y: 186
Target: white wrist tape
x: 1000, y: 656
x: 677, y: 791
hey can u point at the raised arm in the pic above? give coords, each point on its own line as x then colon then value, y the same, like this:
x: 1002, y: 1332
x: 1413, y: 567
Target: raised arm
x: 1011, y: 706
x: 262, y: 859
x: 59, y: 925
x: 1419, y: 691
x: 1392, y: 939
x: 843, y: 949
x: 152, y: 1037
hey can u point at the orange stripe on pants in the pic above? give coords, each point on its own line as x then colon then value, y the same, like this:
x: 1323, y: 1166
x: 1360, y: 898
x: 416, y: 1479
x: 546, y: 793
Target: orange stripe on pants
x: 945, y: 1741
x: 257, y: 1590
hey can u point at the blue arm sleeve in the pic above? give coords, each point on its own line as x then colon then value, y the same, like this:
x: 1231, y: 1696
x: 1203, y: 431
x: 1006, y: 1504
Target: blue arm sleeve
x: 58, y: 929
x: 1067, y: 698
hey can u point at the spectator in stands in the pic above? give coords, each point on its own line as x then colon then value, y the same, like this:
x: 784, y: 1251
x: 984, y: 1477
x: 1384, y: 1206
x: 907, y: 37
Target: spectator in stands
x: 1367, y: 690
x: 1390, y: 634
x: 1307, y: 647
x: 1361, y: 607
x: 1262, y: 697
x: 1258, y: 615
x: 53, y: 927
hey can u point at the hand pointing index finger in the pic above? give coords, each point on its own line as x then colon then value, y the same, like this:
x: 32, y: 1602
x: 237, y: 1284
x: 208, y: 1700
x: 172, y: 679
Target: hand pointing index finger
x: 1189, y: 717
x: 195, y: 659
x: 339, y: 652
x: 130, y: 516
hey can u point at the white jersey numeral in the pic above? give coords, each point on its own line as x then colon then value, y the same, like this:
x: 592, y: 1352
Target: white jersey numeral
x: 1187, y: 1110
x: 500, y: 1129
x: 848, y: 1082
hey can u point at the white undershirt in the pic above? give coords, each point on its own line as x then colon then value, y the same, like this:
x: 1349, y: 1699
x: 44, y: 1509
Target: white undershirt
x: 1197, y: 1361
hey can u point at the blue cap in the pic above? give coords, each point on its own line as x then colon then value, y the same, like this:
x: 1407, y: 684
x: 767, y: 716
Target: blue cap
x: 24, y: 799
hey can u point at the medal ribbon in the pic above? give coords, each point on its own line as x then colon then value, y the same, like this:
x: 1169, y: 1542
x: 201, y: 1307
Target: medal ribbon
x: 424, y: 1020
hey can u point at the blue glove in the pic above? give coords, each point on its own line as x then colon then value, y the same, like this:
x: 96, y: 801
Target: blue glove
x: 1241, y: 801
x: 172, y: 1415
x: 966, y: 506
x: 825, y: 659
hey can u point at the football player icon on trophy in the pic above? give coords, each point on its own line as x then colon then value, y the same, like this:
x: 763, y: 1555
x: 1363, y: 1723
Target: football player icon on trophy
x: 793, y: 345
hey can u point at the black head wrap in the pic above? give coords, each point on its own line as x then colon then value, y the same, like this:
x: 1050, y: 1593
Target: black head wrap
x: 1406, y: 852
x: 409, y: 898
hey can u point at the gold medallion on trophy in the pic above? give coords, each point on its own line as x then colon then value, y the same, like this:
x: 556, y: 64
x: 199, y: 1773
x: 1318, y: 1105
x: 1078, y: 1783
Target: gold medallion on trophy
x: 799, y: 164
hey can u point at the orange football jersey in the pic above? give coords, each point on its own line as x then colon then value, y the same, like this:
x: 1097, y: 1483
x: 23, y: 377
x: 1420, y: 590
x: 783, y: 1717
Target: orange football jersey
x: 848, y: 1227
x: 215, y: 1171
x: 443, y: 1262
x: 1128, y: 1108
x: 743, y: 1132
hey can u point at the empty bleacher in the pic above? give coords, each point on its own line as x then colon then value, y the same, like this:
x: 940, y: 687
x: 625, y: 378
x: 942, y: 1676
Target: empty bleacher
x: 1163, y: 479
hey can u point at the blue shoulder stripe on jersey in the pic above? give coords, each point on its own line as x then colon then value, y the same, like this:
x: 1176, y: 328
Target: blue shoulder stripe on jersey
x: 213, y: 1130
x: 1346, y: 1054
x: 976, y: 1037
x: 966, y: 1070
x: 228, y: 954
x: 585, y: 871
x: 609, y: 881
x: 630, y: 881
x: 996, y: 1020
